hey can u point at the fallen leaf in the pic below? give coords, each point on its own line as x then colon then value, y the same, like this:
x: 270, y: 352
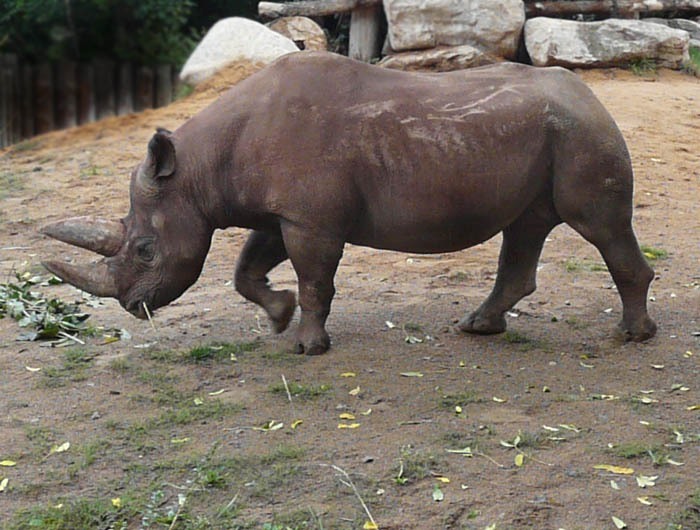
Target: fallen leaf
x: 370, y: 525
x: 688, y: 354
x: 647, y: 400
x: 645, y: 501
x: 348, y: 425
x: 444, y: 480
x: 658, y: 366
x: 218, y: 392
x: 643, y: 481
x: 569, y: 427
x: 438, y: 495
x: 390, y: 324
x: 296, y: 423
x: 519, y: 459
x: 346, y: 416
x: 31, y: 369
x: 499, y: 400
x: 614, y: 469
x: 674, y: 463
x: 60, y: 448
x: 271, y: 425
x: 467, y: 451
x: 8, y: 463
x: 411, y: 374
x: 117, y: 502
x: 3, y: 484
x: 348, y: 374
x: 367, y: 412
x: 458, y: 409
x: 177, y: 441
x: 198, y: 401
x: 548, y: 428
x: 354, y: 391
x: 619, y: 523
x: 584, y: 365
x: 614, y: 485
x: 693, y: 407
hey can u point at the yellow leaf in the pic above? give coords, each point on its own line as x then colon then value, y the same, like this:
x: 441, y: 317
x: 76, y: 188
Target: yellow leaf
x: 177, y: 441
x: 348, y: 374
x: 674, y: 463
x: 346, y: 416
x: 645, y: 501
x: 658, y: 366
x: 218, y: 392
x: 234, y: 358
x: 3, y: 484
x: 499, y: 400
x: 367, y: 412
x: 693, y: 407
x: 615, y: 469
x: 643, y: 481
x: 296, y: 423
x: 545, y: 389
x: 8, y: 463
x: 519, y: 459
x: 462, y: 364
x: 198, y: 401
x: 354, y: 391
x: 548, y: 428
x: 614, y: 485
x: 117, y: 502
x: 60, y: 448
x: 458, y: 409
x: 688, y: 354
x: 370, y: 525
x: 619, y: 523
x: 31, y: 369
x: 444, y: 480
x: 411, y: 374
x: 348, y: 425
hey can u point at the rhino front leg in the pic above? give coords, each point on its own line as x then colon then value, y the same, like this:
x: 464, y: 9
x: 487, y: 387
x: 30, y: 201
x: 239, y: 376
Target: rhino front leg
x: 517, y: 270
x: 315, y: 258
x: 262, y: 252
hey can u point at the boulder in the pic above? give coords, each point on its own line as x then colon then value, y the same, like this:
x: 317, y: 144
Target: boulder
x: 305, y: 33
x: 611, y: 42
x: 692, y: 27
x: 491, y: 25
x: 440, y: 59
x: 230, y: 40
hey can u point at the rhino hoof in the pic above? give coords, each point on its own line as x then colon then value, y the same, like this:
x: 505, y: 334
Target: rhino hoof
x: 644, y: 330
x: 476, y: 323
x: 282, y: 310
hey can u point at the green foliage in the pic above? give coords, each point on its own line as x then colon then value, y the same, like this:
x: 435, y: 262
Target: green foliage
x: 652, y: 253
x: 142, y: 31
x: 644, y: 67
x: 692, y: 67
x: 69, y: 515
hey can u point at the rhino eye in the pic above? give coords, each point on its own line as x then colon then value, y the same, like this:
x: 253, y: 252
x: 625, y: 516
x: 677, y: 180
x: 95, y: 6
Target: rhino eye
x: 145, y: 249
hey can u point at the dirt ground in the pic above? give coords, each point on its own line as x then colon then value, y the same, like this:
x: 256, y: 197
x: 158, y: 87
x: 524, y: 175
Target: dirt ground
x: 149, y: 428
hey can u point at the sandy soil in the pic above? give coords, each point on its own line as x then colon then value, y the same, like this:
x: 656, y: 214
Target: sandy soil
x: 560, y: 364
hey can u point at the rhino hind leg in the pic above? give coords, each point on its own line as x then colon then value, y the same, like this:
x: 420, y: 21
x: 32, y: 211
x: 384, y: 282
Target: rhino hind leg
x: 517, y: 269
x: 262, y: 252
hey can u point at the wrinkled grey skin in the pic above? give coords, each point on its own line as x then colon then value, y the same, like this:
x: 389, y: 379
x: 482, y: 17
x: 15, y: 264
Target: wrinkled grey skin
x: 317, y: 151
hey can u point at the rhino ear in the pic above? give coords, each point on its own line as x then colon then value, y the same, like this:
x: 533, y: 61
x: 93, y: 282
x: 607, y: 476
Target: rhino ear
x: 160, y: 161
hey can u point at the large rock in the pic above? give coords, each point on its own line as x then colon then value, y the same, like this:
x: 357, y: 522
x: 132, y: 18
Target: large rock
x: 611, y: 42
x: 234, y: 39
x: 441, y: 59
x: 692, y: 27
x: 305, y: 33
x: 491, y: 25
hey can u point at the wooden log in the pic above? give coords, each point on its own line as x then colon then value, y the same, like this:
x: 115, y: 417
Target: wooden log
x: 365, y: 38
x: 86, y: 94
x: 311, y: 8
x: 27, y: 105
x: 105, y: 94
x: 164, y: 85
x: 560, y: 8
x: 66, y: 75
x: 143, y: 89
x: 125, y: 89
x: 43, y: 99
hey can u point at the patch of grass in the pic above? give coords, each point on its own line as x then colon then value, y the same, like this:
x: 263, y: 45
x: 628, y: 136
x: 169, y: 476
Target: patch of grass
x: 689, y: 517
x: 87, y: 455
x: 653, y: 254
x: 576, y: 323
x: 73, y: 368
x: 26, y: 145
x: 575, y: 265
x: 70, y: 514
x: 450, y: 401
x: 644, y: 67
x: 415, y: 465
x: 10, y: 184
x: 300, y: 391
x: 692, y: 67
x: 183, y: 90
x: 121, y: 365
x: 219, y: 351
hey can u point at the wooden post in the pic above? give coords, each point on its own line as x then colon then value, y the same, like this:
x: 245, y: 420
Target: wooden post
x: 66, y: 94
x: 105, y: 98
x: 365, y: 39
x: 86, y: 94
x: 143, y: 96
x: 125, y: 89
x: 43, y: 99
x: 27, y: 105
x: 164, y: 85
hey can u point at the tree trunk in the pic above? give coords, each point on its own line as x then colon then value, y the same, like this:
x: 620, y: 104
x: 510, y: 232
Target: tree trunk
x: 535, y: 8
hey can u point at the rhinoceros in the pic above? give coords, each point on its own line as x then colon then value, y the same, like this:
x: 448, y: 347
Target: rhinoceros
x: 317, y: 150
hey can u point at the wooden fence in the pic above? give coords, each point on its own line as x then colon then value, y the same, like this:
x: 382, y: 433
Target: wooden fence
x: 39, y: 98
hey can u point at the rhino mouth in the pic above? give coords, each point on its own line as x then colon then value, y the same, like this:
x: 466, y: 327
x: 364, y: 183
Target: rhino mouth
x: 141, y: 308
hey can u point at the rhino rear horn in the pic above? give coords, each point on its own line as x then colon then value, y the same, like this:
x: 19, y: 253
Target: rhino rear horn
x: 99, y: 235
x: 95, y: 278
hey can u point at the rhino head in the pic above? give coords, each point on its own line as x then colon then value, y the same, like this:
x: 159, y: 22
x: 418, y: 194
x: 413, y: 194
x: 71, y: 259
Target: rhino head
x: 152, y: 255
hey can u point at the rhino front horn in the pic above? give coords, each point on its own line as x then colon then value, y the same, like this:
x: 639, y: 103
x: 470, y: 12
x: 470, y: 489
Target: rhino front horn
x: 99, y: 235
x: 95, y: 278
